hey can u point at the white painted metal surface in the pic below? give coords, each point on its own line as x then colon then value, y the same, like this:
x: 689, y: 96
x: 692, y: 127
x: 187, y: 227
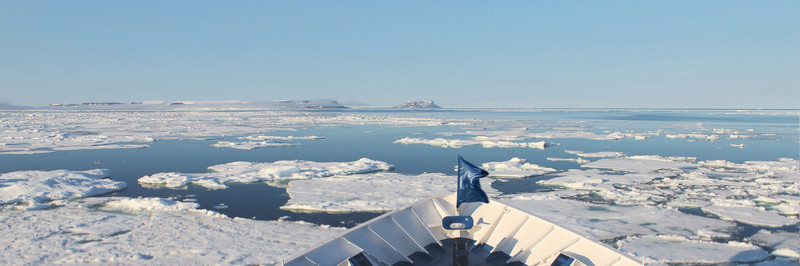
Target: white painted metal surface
x: 394, y: 236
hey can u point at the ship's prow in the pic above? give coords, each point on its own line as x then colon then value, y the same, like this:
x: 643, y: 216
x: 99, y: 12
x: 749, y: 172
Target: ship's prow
x: 501, y: 235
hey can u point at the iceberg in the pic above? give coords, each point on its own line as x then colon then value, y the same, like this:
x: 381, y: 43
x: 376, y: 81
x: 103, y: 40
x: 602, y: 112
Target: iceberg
x: 249, y: 172
x: 35, y: 187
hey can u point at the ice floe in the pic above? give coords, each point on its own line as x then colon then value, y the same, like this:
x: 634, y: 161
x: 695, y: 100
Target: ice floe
x: 458, y: 143
x: 367, y: 192
x: 34, y: 187
x: 576, y: 160
x: 559, y: 133
x: 600, y: 154
x: 262, y: 141
x: 39, y: 132
x: 642, y: 164
x: 78, y: 233
x: 515, y: 167
x: 608, y: 222
x: 750, y: 215
x: 784, y: 244
x: 280, y: 138
x: 248, y: 172
x: 249, y: 145
x: 676, y: 249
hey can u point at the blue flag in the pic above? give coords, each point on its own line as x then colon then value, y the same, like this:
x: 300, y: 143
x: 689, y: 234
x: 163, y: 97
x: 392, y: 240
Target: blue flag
x: 469, y: 185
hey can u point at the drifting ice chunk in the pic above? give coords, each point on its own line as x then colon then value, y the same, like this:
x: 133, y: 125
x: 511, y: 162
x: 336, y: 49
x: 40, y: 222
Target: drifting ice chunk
x: 247, y: 172
x: 249, y: 145
x: 262, y: 141
x: 693, y: 136
x: 601, y: 154
x: 601, y: 222
x: 786, y: 244
x: 641, y: 164
x: 671, y: 249
x: 279, y: 138
x: 587, y: 179
x: 42, y: 186
x: 577, y: 160
x: 366, y: 192
x: 458, y: 143
x: 750, y: 215
x: 515, y: 167
x: 575, y: 179
x: 149, y: 204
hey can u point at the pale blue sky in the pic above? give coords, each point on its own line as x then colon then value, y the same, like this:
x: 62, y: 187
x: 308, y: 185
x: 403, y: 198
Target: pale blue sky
x: 700, y: 54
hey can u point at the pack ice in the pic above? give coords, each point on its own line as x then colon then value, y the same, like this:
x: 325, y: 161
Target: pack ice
x: 248, y: 172
x: 35, y: 187
x: 153, y: 231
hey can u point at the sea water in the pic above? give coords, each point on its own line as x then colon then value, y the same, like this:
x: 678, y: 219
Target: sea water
x: 770, y: 137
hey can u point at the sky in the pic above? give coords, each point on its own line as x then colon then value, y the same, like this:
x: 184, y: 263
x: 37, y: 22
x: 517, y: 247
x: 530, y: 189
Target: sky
x: 521, y: 54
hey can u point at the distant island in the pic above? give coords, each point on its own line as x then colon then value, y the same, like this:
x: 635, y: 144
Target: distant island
x: 201, y: 105
x: 418, y: 105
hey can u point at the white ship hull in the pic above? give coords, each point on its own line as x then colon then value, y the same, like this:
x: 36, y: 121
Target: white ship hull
x: 501, y: 235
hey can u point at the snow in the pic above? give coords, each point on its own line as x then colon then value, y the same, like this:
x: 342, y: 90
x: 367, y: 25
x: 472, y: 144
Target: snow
x: 249, y: 145
x: 483, y: 141
x: 367, y: 192
x: 79, y: 233
x: 34, y: 187
x: 576, y: 160
x: 601, y: 154
x: 249, y: 172
x: 672, y: 249
x: 574, y: 179
x: 262, y: 141
x: 607, y: 222
x: 785, y: 244
x: 750, y: 215
x: 280, y: 138
x: 641, y: 164
x: 515, y: 167
x: 41, y: 132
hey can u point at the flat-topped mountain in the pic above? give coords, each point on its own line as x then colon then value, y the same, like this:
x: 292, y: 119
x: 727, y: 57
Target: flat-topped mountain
x: 418, y: 105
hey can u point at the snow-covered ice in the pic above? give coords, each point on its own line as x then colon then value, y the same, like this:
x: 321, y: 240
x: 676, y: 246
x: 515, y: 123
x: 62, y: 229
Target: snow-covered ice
x: 249, y: 145
x: 40, y: 132
x: 608, y: 222
x: 78, y: 233
x: 599, y: 154
x: 458, y: 143
x: 34, y: 187
x: 249, y: 172
x: 262, y: 141
x: 786, y: 244
x: 515, y: 167
x: 750, y: 215
x: 641, y: 164
x: 672, y: 249
x: 367, y: 192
